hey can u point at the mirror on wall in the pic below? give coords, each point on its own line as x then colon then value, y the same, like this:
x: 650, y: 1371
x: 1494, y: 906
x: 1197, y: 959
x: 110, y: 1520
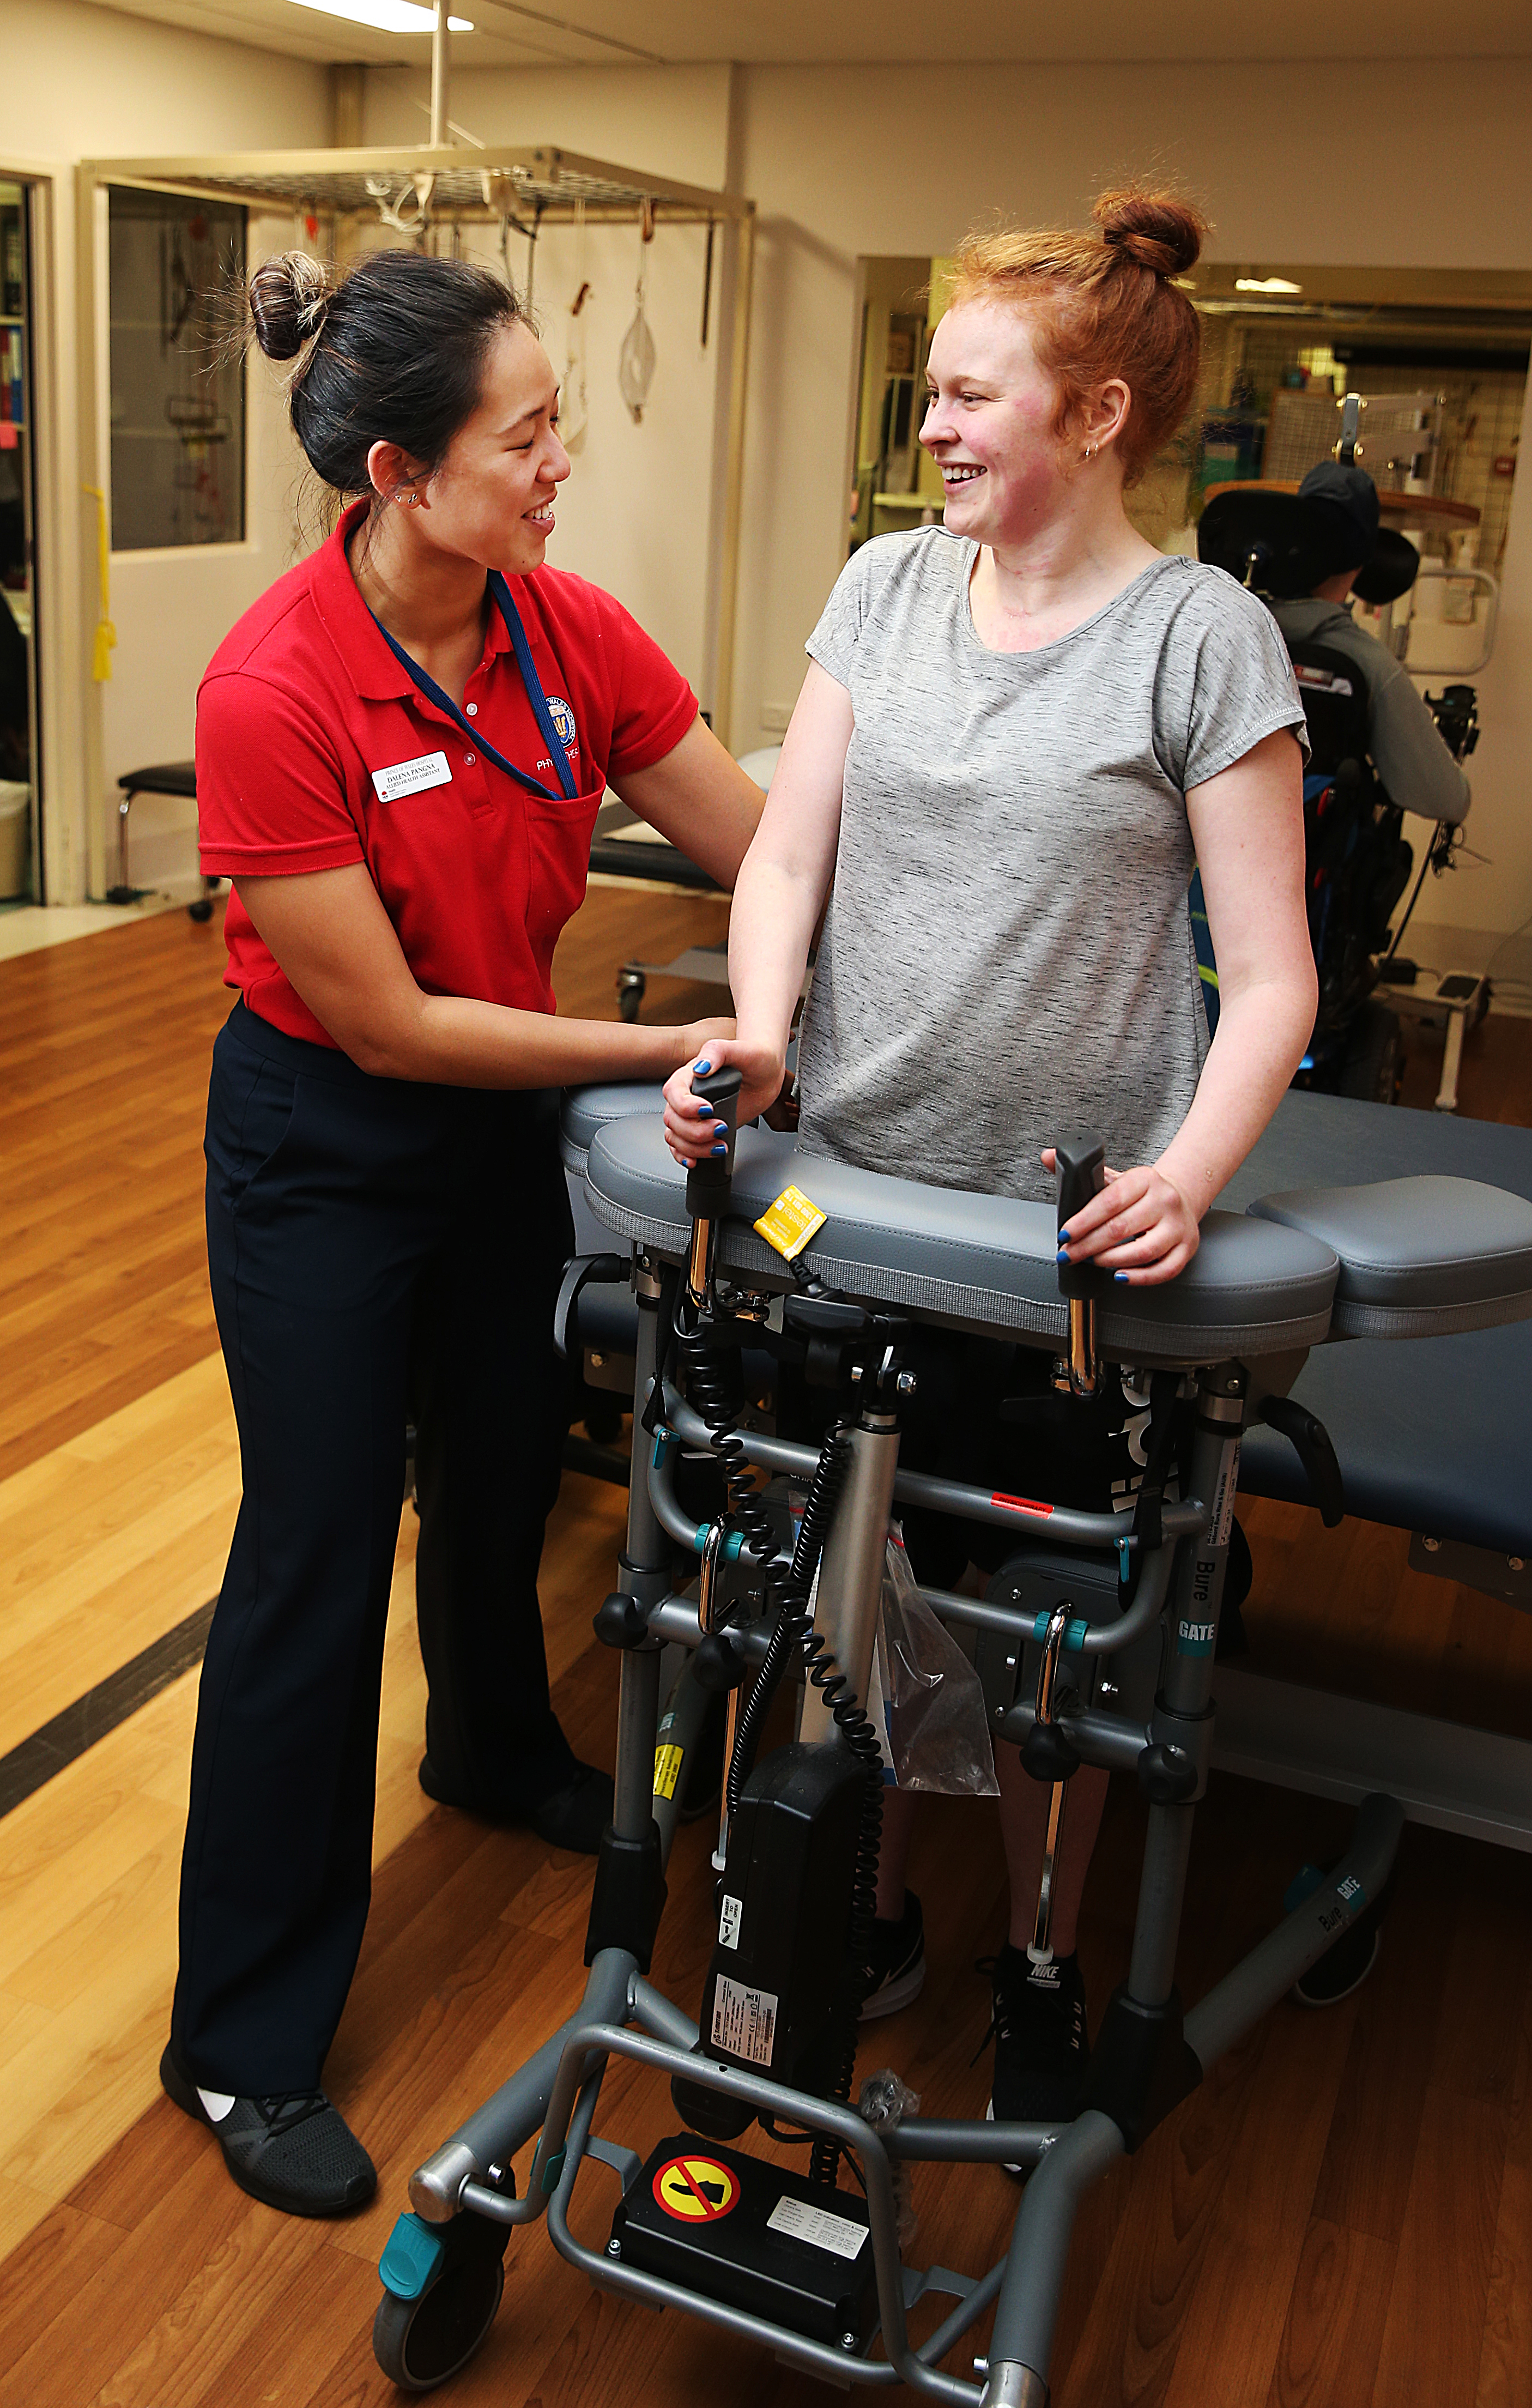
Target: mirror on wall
x: 177, y: 388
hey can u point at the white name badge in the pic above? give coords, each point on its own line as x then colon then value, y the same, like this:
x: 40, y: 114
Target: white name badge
x: 411, y: 777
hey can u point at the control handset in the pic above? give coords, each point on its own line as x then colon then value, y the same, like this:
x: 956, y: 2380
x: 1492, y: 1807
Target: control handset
x: 1080, y: 1159
x: 708, y: 1182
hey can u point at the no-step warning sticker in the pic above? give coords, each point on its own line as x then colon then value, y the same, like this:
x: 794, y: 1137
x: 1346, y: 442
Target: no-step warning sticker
x: 696, y: 2190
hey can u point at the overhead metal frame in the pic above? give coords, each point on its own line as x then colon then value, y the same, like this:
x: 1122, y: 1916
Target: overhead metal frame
x: 451, y: 186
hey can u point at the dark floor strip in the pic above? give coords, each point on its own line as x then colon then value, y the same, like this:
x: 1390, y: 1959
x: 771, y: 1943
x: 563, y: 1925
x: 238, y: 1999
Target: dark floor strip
x: 26, y: 1768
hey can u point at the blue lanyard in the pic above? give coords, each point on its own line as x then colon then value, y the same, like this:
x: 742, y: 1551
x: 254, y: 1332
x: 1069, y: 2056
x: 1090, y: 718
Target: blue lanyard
x: 535, y: 696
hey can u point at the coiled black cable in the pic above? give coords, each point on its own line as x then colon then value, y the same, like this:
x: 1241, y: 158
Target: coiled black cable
x: 787, y: 1593
x: 813, y: 1529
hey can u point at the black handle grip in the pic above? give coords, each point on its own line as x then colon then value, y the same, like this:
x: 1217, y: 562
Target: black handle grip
x: 1311, y: 1443
x: 1080, y: 1162
x: 709, y: 1182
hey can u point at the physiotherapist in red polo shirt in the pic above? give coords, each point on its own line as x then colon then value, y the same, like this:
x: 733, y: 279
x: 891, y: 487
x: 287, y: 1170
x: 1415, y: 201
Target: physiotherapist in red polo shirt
x: 401, y: 749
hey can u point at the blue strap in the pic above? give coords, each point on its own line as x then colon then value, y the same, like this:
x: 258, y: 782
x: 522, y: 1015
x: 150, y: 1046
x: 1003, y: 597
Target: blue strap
x: 535, y: 696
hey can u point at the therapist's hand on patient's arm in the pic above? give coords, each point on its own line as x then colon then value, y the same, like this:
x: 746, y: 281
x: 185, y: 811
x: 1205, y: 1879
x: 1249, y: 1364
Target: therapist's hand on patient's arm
x: 688, y: 1124
x: 1140, y: 1227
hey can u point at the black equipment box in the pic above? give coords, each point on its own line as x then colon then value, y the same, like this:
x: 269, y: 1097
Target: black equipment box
x: 753, y: 2236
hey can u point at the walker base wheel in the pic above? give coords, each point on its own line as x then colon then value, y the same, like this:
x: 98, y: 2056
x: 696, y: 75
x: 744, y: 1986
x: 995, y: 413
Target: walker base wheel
x: 422, y: 2343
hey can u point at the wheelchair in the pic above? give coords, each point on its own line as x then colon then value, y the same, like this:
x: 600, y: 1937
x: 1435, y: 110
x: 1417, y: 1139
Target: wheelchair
x: 1357, y: 860
x: 1097, y: 1640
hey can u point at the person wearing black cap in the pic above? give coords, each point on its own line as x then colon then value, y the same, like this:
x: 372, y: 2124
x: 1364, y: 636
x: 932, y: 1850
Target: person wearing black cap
x: 1405, y: 747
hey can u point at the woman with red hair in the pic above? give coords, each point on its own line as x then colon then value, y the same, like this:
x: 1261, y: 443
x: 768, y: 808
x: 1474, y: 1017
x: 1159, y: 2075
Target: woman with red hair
x: 1017, y: 734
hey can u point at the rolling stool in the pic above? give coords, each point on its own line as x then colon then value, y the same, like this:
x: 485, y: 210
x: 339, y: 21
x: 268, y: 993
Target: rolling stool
x: 168, y: 778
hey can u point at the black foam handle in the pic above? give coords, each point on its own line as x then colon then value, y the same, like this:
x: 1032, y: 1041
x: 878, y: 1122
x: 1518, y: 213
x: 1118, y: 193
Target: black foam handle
x: 709, y: 1182
x: 1080, y: 1162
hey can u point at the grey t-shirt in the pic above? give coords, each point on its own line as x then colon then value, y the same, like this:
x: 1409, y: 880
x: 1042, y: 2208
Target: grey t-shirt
x: 1403, y: 738
x: 1009, y: 950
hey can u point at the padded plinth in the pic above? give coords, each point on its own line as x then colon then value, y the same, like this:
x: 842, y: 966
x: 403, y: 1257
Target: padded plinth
x: 984, y: 1262
x: 1419, y: 1257
x: 589, y: 1109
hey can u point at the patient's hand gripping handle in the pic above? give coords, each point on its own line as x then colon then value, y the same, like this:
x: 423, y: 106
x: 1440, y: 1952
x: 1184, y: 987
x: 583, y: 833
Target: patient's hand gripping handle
x: 1080, y: 1162
x: 709, y: 1182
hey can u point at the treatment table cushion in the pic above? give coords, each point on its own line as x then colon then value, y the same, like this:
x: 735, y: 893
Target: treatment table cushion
x: 589, y: 1109
x: 1434, y: 1439
x: 1419, y: 1257
x: 984, y: 1262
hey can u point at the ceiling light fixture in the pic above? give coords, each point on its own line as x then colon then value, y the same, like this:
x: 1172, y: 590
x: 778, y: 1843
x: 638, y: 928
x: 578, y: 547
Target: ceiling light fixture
x: 1265, y: 284
x: 386, y: 15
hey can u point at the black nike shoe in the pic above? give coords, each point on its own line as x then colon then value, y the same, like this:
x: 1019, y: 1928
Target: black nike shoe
x: 1042, y: 2044
x: 294, y: 2151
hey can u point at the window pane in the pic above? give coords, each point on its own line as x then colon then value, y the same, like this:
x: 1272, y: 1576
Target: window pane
x: 177, y: 405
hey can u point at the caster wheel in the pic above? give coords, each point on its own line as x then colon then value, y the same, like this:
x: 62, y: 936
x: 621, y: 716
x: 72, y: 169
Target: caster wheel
x: 630, y: 993
x: 422, y: 2343
x: 200, y: 910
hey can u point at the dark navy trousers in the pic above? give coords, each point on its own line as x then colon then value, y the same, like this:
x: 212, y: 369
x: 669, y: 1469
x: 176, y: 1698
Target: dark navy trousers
x: 379, y: 1252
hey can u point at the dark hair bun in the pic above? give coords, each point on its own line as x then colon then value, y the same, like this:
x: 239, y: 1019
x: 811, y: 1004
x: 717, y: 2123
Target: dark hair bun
x: 1155, y: 230
x: 288, y: 300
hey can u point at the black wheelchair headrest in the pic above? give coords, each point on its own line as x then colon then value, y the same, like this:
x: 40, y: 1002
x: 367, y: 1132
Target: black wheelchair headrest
x: 1268, y: 539
x: 1391, y: 570
x: 1288, y: 541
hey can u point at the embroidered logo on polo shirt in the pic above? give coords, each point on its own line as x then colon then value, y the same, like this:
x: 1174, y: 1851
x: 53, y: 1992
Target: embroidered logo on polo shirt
x: 411, y: 777
x: 564, y: 721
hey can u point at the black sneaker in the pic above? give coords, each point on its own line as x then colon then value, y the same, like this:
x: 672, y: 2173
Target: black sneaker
x: 896, y: 1962
x: 573, y: 1817
x: 1042, y: 2044
x: 294, y: 2152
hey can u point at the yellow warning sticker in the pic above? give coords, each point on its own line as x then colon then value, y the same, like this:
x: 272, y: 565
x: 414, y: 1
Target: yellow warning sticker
x: 790, y: 1222
x: 666, y: 1770
x: 696, y: 2190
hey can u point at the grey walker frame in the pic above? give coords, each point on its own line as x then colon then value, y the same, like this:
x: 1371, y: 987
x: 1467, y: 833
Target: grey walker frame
x: 1149, y: 2056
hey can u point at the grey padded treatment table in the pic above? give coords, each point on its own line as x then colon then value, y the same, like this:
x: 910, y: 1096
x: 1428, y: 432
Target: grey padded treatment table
x: 1432, y: 1437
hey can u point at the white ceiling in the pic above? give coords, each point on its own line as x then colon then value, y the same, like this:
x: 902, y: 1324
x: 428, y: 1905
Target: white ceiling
x: 615, y: 32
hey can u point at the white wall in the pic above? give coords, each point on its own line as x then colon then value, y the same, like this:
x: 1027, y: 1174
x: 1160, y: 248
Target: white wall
x: 83, y: 82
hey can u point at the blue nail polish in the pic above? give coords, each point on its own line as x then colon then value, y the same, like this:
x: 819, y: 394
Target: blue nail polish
x: 720, y: 1149
x: 1121, y: 1275
x: 1064, y: 1237
x: 700, y: 1069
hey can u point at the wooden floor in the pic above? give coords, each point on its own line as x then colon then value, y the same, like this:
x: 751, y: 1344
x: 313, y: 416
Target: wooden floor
x: 1341, y: 2215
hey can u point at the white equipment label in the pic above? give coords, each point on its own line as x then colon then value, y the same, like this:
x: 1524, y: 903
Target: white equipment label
x: 1222, y: 1519
x: 411, y: 777
x: 817, y: 2225
x: 744, y: 2021
x: 728, y: 1921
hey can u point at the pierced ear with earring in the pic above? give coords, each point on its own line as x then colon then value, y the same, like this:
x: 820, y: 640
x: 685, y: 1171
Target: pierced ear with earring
x: 1089, y: 451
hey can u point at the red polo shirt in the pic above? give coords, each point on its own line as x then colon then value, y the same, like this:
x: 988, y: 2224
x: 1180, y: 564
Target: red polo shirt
x: 314, y: 750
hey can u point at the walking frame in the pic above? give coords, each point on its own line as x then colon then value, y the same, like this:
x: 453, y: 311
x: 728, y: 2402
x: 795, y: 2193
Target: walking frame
x: 1135, y: 1594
